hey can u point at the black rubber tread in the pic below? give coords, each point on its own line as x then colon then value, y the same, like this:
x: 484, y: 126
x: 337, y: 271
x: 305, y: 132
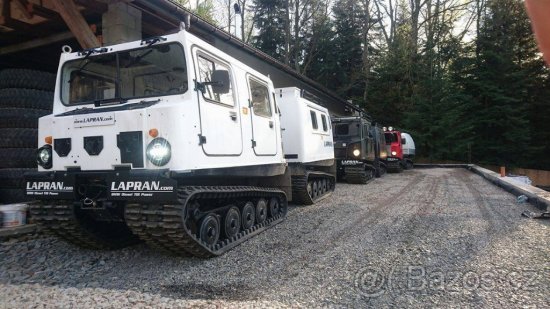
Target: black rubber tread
x: 21, y: 117
x: 25, y: 78
x: 26, y: 98
x: 360, y: 176
x: 166, y: 226
x: 13, y: 177
x: 11, y: 195
x: 17, y: 157
x: 61, y: 219
x: 300, y: 195
x: 18, y: 138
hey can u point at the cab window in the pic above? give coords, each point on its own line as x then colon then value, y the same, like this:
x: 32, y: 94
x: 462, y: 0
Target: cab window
x: 259, y: 97
x: 207, y: 66
x: 324, y: 121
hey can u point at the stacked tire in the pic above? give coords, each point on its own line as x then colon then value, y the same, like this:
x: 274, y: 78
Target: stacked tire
x: 25, y: 96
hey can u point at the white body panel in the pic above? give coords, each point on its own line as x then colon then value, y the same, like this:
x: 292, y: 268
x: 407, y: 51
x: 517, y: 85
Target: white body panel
x: 181, y: 119
x: 408, y: 144
x: 301, y: 141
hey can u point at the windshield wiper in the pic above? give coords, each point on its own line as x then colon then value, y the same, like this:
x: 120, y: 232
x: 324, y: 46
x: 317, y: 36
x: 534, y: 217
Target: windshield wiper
x: 88, y: 53
x: 112, y: 101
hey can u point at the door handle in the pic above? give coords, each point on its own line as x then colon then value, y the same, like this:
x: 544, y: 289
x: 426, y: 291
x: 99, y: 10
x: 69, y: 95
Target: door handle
x: 271, y: 124
x: 233, y: 116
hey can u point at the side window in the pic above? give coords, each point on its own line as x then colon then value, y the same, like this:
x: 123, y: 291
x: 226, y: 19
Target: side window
x: 403, y: 141
x: 275, y: 104
x: 313, y: 120
x: 259, y: 97
x: 324, y: 121
x: 206, y: 69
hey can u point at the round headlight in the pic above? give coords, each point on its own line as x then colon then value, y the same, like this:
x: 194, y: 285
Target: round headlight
x: 394, y: 153
x: 159, y: 151
x: 356, y: 152
x: 44, y: 156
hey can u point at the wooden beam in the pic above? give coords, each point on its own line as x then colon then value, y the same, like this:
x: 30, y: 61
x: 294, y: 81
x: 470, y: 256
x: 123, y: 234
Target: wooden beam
x: 36, y: 43
x: 22, y: 6
x: 76, y: 23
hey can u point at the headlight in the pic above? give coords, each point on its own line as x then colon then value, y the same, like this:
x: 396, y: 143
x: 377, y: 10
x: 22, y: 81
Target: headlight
x: 159, y: 151
x: 356, y: 152
x: 44, y: 156
x: 394, y: 153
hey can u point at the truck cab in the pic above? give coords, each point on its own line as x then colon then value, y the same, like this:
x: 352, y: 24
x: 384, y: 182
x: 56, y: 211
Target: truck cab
x: 394, y: 149
x: 409, y: 149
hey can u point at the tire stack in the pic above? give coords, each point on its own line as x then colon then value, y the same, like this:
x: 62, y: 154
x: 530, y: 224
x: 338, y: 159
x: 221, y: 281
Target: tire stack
x: 25, y: 96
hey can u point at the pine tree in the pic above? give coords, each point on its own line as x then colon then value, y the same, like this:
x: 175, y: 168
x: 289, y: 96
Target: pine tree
x: 270, y: 19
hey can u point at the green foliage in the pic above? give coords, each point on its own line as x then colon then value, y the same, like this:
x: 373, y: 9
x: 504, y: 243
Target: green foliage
x: 270, y: 19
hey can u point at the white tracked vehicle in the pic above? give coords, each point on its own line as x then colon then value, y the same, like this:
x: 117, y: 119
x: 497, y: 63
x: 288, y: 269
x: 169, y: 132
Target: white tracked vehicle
x: 308, y: 146
x: 170, y: 140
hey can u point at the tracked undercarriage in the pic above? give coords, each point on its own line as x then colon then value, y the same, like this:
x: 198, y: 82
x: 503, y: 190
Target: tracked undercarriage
x: 360, y: 174
x: 312, y: 187
x: 206, y: 221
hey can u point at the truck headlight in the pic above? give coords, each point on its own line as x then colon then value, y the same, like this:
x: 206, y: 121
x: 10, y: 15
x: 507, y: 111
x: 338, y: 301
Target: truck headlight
x: 44, y: 156
x: 394, y: 153
x: 159, y: 151
x: 356, y: 152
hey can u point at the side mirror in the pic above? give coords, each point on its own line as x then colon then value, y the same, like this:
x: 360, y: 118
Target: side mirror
x: 220, y: 81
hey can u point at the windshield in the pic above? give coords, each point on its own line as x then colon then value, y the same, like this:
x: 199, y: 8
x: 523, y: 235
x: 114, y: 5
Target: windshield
x: 346, y: 130
x: 390, y: 138
x: 146, y: 72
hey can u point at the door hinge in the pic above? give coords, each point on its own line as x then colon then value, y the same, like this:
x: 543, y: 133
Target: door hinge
x: 253, y: 143
x: 202, y: 139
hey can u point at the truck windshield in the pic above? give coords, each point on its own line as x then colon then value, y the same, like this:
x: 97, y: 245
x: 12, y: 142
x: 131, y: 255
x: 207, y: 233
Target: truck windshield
x: 346, y: 130
x: 390, y: 138
x: 153, y: 71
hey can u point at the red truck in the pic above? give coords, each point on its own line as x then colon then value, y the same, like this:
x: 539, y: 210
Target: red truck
x: 394, y: 148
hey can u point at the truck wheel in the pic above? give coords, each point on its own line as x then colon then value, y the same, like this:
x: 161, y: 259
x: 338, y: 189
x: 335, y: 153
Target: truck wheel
x: 21, y: 117
x: 18, y: 138
x: 24, y: 78
x: 13, y: 177
x: 17, y: 157
x: 26, y: 98
x: 409, y: 165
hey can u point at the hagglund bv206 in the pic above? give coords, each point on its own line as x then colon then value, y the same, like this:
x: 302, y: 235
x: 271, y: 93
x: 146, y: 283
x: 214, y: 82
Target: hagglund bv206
x: 168, y: 140
x: 357, y: 149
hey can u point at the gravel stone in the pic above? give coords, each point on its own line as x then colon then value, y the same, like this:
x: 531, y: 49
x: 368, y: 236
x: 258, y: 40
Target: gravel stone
x: 422, y: 238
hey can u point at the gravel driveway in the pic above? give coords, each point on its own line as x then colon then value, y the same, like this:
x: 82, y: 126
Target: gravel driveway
x: 431, y: 237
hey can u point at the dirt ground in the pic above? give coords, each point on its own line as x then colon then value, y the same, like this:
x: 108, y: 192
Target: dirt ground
x: 426, y: 237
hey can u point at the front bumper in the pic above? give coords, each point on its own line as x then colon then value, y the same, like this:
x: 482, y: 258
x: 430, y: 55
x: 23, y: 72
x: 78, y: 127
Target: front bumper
x: 393, y: 163
x: 123, y: 185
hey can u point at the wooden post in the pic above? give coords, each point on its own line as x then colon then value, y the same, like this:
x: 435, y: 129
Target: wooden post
x: 502, y: 171
x: 76, y: 23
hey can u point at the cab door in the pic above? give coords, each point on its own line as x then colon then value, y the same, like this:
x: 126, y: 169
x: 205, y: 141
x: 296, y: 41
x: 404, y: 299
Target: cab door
x: 264, y: 134
x: 220, y: 121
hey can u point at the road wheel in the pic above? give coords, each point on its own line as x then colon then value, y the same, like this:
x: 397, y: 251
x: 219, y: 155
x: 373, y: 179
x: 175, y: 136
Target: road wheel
x: 210, y: 230
x: 261, y: 210
x: 248, y: 215
x: 232, y: 222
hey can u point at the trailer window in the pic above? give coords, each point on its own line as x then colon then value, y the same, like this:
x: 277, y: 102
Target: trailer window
x: 313, y: 120
x: 158, y: 70
x: 207, y: 66
x: 259, y: 97
x: 324, y: 121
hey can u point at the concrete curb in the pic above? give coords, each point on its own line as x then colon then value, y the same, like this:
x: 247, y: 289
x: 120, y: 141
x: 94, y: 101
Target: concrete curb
x: 537, y: 197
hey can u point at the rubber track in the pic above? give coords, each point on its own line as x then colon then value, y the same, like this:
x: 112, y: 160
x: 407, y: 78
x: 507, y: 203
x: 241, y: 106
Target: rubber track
x: 59, y: 219
x: 163, y: 225
x: 299, y: 190
x: 360, y: 177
